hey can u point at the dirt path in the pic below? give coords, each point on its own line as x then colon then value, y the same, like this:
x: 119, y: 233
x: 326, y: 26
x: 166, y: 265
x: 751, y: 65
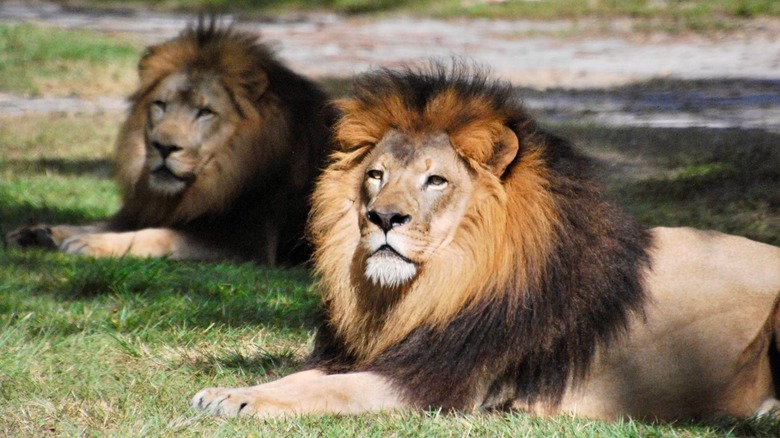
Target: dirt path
x: 714, y: 81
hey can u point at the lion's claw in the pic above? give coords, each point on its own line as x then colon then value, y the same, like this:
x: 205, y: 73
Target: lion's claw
x: 224, y: 402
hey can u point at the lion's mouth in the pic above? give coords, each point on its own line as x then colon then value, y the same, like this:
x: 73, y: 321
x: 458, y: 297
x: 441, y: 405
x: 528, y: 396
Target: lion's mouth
x: 388, y: 251
x: 163, y: 173
x: 164, y: 181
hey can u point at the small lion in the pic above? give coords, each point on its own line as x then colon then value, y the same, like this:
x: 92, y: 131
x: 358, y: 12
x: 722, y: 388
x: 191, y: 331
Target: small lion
x: 216, y: 160
x: 468, y: 263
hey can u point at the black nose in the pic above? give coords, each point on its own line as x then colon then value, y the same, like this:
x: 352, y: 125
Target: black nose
x: 165, y: 149
x: 387, y: 221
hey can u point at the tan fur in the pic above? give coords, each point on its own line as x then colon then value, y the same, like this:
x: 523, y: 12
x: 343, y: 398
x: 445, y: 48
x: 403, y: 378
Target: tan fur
x: 702, y: 347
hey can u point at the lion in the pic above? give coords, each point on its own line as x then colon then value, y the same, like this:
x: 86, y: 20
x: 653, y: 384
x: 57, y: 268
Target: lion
x: 469, y: 263
x: 216, y: 159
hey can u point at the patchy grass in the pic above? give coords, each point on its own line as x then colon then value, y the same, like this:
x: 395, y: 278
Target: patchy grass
x: 36, y: 60
x: 117, y: 347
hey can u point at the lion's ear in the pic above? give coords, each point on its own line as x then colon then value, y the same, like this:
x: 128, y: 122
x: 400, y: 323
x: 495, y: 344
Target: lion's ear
x: 148, y: 71
x: 505, y: 151
x: 258, y: 85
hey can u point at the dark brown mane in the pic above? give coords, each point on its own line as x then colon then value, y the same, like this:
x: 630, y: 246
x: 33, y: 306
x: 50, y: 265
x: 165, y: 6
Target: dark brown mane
x: 528, y: 337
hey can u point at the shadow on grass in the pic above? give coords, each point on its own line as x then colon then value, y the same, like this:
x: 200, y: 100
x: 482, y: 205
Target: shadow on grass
x: 17, y: 216
x: 94, y: 168
x: 261, y: 365
x: 727, y: 180
x: 167, y: 294
x: 14, y: 214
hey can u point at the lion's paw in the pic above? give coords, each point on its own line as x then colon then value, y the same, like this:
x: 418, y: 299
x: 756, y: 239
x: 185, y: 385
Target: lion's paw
x: 92, y: 245
x: 227, y: 402
x: 39, y: 235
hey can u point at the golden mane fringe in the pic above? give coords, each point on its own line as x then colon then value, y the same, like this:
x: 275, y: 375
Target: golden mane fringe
x: 508, y: 226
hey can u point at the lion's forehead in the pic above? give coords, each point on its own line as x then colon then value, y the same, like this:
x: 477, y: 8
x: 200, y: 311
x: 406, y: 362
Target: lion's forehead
x: 414, y: 151
x: 191, y: 88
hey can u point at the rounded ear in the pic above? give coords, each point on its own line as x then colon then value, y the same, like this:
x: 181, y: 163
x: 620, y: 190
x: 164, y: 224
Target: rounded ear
x: 505, y: 151
x: 258, y: 85
x: 147, y: 74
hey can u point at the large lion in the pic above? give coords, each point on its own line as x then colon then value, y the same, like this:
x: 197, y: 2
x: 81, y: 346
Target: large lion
x: 468, y: 263
x: 216, y: 159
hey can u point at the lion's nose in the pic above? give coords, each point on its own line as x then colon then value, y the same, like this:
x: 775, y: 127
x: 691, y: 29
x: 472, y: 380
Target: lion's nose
x: 388, y: 221
x: 165, y: 149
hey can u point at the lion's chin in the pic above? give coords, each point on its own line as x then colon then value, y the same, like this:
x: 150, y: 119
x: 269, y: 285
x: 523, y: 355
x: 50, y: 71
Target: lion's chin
x: 163, y: 181
x: 388, y: 269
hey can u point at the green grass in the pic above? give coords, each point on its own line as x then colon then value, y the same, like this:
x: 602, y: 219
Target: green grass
x: 35, y: 60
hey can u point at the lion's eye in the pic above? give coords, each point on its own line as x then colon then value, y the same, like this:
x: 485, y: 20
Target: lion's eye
x: 374, y: 174
x: 436, y: 180
x: 205, y: 111
x: 159, y: 105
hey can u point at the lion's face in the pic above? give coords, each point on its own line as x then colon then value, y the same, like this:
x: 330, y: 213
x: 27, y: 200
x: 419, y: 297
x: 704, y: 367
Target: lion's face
x: 414, y: 194
x: 190, y: 117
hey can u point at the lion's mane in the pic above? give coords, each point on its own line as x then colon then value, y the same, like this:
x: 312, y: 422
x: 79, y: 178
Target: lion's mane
x: 540, y: 273
x: 267, y: 166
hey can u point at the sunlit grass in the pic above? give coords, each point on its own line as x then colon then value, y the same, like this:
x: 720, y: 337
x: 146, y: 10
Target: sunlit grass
x: 36, y: 60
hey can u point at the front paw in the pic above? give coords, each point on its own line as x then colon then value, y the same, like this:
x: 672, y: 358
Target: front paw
x: 92, y: 245
x: 227, y: 402
x: 37, y: 235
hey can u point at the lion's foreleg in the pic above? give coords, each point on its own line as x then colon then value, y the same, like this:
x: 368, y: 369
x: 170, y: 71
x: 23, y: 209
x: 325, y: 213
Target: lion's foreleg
x: 148, y: 242
x: 48, y: 236
x: 308, y: 392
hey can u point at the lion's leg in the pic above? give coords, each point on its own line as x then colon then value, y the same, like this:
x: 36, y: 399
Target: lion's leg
x: 148, y: 242
x: 271, y: 244
x: 308, y: 392
x: 48, y: 236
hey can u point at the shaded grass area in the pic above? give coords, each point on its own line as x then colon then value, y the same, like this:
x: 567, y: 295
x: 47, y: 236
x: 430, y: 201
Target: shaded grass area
x: 117, y: 347
x: 727, y: 180
x: 36, y: 60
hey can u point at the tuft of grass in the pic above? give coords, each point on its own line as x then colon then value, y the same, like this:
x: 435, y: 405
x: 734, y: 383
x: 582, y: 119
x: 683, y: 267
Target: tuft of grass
x: 36, y: 60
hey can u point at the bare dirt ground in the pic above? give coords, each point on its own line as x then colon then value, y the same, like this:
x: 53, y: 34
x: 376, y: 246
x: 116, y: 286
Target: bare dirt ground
x: 582, y: 71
